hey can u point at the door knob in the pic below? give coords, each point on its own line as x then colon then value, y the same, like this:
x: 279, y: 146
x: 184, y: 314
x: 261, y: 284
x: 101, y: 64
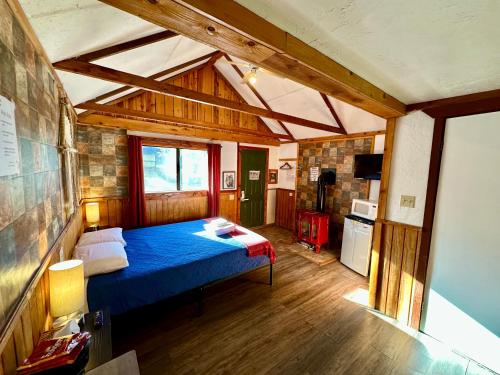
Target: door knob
x: 243, y: 199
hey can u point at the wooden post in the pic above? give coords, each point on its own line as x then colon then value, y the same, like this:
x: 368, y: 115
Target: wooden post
x: 382, y: 208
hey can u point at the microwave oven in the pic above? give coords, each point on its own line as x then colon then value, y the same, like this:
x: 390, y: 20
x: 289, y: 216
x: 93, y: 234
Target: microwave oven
x: 364, y: 208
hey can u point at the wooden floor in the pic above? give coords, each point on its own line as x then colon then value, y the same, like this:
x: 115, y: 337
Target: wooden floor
x: 303, y: 324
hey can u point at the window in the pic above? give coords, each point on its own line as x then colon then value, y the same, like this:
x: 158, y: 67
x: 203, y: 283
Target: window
x: 173, y: 169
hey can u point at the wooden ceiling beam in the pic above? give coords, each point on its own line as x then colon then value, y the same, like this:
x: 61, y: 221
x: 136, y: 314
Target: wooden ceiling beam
x: 173, y: 129
x: 259, y: 119
x: 230, y: 27
x: 333, y: 112
x: 163, y: 73
x: 156, y: 76
x: 120, y: 111
x: 256, y: 93
x: 126, y: 46
x: 112, y: 75
x: 463, y: 105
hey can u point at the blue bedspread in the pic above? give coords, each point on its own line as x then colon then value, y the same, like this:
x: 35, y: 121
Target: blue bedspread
x: 167, y: 260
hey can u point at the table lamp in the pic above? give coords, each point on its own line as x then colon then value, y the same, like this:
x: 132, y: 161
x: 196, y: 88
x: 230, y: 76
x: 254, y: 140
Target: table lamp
x: 92, y: 214
x: 67, y: 293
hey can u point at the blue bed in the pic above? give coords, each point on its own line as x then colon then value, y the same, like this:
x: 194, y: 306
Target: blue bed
x: 167, y: 260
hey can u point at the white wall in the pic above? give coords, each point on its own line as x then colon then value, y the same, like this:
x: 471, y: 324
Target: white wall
x: 410, y: 167
x: 462, y: 306
x: 228, y: 158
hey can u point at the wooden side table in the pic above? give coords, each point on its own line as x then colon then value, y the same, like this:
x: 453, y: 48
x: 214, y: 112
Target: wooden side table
x: 100, y: 345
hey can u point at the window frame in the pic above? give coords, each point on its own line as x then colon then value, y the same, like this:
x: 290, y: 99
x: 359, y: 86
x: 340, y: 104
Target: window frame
x: 178, y: 145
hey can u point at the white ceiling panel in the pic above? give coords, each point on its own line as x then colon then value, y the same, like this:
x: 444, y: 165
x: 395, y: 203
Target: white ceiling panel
x: 69, y: 28
x: 415, y: 51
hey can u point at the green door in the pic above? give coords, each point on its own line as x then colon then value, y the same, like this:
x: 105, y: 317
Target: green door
x: 253, y: 187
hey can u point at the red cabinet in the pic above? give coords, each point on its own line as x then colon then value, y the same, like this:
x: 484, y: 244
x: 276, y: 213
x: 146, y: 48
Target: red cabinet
x: 312, y: 227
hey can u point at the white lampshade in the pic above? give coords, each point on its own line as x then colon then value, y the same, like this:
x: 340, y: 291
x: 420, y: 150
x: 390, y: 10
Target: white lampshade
x: 92, y: 212
x: 66, y: 287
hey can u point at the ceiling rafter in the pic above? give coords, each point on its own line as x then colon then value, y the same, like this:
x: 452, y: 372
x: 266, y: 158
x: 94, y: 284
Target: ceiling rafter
x: 232, y: 28
x: 257, y: 94
x: 163, y: 73
x: 125, y: 46
x: 173, y: 129
x: 113, y: 75
x: 178, y: 121
x: 333, y: 112
x: 261, y: 122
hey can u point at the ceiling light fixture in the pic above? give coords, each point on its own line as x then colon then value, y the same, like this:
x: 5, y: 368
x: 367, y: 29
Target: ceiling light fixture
x: 252, y: 76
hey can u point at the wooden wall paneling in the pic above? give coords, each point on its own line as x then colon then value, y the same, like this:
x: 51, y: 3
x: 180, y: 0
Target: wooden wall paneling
x: 285, y: 208
x: 407, y: 272
x: 386, y: 262
x: 112, y: 211
x: 9, y: 359
x: 175, y: 207
x: 397, y: 246
x: 228, y: 208
x: 394, y: 278
x: 375, y: 262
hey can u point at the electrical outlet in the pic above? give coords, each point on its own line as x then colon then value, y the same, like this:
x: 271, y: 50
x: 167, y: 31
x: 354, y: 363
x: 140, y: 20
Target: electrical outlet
x: 231, y: 197
x: 408, y: 201
x: 290, y: 194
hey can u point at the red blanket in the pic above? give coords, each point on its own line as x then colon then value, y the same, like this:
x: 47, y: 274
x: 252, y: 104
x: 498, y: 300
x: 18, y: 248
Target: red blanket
x: 256, y: 244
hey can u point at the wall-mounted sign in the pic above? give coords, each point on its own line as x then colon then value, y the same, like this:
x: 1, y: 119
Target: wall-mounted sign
x: 253, y: 175
x: 9, y: 152
x: 313, y: 174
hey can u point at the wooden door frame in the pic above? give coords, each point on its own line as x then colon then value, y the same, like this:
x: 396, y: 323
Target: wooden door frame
x: 441, y: 110
x: 238, y: 188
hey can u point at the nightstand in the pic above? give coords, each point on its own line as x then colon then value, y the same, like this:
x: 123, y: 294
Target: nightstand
x: 100, y: 346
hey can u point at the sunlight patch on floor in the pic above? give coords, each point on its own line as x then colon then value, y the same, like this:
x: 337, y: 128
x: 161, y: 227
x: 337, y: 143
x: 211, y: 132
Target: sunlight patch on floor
x: 359, y: 296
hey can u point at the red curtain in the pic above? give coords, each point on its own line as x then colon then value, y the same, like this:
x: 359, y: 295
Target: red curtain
x: 137, y: 198
x: 213, y: 179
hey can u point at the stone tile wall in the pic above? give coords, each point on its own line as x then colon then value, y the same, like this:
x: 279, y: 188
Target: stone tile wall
x: 31, y: 202
x: 103, y: 161
x: 339, y: 155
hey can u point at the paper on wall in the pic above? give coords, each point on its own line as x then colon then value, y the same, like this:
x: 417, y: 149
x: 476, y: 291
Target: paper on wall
x: 9, y: 151
x: 313, y: 174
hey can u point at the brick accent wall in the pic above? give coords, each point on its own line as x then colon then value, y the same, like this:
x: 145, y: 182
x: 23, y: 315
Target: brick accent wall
x: 339, y: 155
x: 31, y: 202
x: 103, y: 161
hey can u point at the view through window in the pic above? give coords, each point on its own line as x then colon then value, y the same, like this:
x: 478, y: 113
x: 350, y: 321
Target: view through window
x: 169, y: 169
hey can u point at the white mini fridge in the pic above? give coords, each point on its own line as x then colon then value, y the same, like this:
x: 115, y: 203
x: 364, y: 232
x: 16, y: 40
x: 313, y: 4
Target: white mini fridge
x: 357, y: 244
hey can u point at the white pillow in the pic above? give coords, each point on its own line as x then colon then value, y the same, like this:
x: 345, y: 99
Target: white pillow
x: 101, y: 257
x: 104, y: 235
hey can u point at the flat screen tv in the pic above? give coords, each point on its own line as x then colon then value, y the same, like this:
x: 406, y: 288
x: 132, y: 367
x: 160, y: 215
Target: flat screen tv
x: 368, y: 166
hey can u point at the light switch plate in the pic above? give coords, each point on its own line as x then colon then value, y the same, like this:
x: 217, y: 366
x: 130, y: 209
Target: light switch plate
x: 231, y: 197
x: 408, y: 201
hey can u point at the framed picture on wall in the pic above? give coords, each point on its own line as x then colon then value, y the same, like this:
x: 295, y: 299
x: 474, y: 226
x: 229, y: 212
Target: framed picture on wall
x: 228, y: 180
x: 273, y: 176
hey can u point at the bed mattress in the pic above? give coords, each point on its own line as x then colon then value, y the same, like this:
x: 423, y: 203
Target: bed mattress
x: 167, y: 260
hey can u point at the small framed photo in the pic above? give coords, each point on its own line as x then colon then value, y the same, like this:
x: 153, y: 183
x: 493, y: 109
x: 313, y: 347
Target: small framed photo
x: 273, y: 176
x: 228, y: 180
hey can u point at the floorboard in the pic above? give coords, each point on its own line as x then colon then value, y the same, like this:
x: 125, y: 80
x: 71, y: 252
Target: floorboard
x: 303, y: 324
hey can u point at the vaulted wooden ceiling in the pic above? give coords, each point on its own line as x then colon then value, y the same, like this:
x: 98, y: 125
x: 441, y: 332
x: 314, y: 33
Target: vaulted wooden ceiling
x: 160, y: 66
